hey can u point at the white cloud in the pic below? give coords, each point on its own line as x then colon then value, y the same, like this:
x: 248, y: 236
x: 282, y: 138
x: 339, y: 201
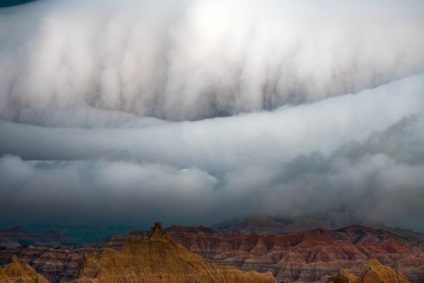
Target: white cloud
x: 313, y: 109
x: 196, y: 59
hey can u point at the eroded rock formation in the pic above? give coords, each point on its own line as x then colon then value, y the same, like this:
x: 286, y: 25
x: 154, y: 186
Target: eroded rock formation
x: 307, y: 256
x: 373, y: 272
x: 158, y: 258
x: 18, y: 271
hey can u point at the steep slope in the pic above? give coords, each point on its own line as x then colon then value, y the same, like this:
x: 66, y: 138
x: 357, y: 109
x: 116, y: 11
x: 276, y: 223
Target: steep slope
x: 373, y: 272
x: 158, y: 258
x: 20, y: 272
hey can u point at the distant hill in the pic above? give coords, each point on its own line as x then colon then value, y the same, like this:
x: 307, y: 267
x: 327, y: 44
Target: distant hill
x: 273, y: 226
x: 16, y: 236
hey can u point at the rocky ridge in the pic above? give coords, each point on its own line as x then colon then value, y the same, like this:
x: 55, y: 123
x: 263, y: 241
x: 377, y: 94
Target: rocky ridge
x: 158, y: 258
x: 18, y: 271
x: 308, y: 256
x: 373, y: 272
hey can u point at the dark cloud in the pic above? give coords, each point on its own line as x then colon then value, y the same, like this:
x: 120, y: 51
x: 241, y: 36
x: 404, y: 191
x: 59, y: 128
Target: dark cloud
x: 309, y: 111
x: 10, y: 3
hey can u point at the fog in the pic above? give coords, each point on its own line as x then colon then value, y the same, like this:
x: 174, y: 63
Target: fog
x: 192, y: 112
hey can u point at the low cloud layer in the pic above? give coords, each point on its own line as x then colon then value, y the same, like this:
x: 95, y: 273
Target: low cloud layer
x: 358, y: 182
x: 199, y: 111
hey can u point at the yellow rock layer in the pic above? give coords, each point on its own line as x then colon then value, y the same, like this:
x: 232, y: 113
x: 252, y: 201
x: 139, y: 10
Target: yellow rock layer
x: 159, y: 259
x: 373, y: 272
x: 20, y: 272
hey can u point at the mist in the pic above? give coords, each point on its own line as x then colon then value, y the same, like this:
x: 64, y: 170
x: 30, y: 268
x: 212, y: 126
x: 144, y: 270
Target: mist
x: 193, y: 112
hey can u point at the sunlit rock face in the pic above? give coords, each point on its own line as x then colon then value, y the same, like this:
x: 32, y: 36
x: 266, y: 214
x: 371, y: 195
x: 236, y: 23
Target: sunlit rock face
x: 20, y: 272
x: 373, y: 272
x: 158, y: 258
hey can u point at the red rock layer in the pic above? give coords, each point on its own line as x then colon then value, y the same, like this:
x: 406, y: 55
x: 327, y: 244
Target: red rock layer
x: 305, y: 256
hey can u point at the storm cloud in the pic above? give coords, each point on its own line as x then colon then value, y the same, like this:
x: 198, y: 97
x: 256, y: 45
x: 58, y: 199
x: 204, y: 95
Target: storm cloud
x: 192, y: 112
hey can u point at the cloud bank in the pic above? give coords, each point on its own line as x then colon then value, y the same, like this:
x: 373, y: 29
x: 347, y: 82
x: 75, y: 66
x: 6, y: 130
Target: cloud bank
x: 180, y: 60
x: 192, y: 112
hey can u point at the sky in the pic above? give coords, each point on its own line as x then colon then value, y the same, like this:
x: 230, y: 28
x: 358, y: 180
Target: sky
x: 195, y: 111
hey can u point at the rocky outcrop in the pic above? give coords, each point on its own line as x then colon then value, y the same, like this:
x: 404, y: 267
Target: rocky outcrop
x: 373, y: 272
x: 58, y: 265
x: 18, y: 271
x: 158, y: 258
x: 308, y: 256
x: 343, y: 276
